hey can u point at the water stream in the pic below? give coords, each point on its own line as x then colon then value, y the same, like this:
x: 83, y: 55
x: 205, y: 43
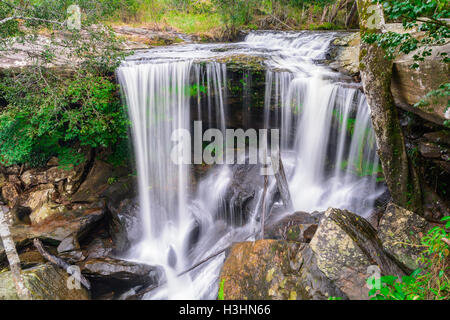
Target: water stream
x: 327, y: 146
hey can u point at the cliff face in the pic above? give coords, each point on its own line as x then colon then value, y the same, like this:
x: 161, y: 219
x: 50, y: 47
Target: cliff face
x: 409, y: 86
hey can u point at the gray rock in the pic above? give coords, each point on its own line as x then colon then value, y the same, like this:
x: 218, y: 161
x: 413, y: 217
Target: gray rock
x: 400, y: 232
x: 45, y: 282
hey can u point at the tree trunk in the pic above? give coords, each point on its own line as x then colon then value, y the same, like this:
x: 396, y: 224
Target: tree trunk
x: 376, y: 73
x: 333, y: 11
x: 324, y: 14
x: 351, y: 16
x: 13, y: 258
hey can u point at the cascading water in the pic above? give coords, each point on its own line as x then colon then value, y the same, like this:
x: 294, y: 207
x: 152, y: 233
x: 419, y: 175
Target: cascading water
x: 327, y: 146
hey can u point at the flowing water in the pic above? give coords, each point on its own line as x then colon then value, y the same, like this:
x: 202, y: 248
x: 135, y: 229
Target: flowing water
x: 327, y: 146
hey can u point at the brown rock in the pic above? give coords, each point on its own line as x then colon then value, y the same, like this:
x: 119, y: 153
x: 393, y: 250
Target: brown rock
x: 33, y: 177
x: 429, y: 150
x: 3, y: 180
x: 439, y: 137
x: 274, y: 270
x: 10, y: 193
x: 299, y: 227
x: 54, y: 161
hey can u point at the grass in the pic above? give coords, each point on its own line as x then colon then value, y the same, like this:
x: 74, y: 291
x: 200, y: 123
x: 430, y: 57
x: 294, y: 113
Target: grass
x: 192, y: 22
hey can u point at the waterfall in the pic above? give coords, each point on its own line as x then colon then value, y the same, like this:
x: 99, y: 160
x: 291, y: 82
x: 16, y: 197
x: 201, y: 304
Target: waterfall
x: 327, y: 146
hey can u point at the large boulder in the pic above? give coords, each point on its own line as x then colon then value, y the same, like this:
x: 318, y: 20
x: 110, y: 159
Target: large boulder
x: 110, y: 274
x: 44, y: 282
x: 337, y: 262
x: 122, y: 223
x: 409, y: 86
x: 400, y: 232
x: 346, y: 245
x: 74, y: 223
x: 99, y: 179
x: 274, y: 270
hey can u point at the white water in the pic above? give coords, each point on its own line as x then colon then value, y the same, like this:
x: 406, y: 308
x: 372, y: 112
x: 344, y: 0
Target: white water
x: 304, y: 99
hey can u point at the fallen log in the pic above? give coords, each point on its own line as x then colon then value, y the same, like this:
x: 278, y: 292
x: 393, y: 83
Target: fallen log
x: 61, y: 264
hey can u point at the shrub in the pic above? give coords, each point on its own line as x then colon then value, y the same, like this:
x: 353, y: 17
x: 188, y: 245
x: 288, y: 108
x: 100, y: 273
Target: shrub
x: 431, y: 281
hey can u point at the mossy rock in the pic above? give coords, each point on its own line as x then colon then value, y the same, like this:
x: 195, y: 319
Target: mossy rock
x: 45, y: 282
x: 274, y: 270
x: 400, y: 232
x: 244, y: 62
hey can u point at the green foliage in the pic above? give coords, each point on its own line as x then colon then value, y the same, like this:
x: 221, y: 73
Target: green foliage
x: 220, y: 296
x: 39, y: 122
x: 430, y: 282
x: 323, y: 26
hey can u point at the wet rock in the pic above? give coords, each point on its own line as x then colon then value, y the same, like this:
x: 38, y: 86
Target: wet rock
x: 109, y: 274
x: 122, y: 221
x: 99, y: 248
x: 76, y: 223
x: 239, y: 199
x: 45, y: 282
x: 13, y: 178
x: 300, y: 227
x: 68, y: 244
x: 73, y: 257
x: 400, y: 232
x: 274, y: 270
x: 346, y: 54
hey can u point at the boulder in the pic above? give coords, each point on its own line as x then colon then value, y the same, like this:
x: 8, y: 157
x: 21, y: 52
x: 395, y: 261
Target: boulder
x: 409, y: 86
x: 109, y: 274
x: 3, y: 179
x: 10, y: 193
x: 45, y: 282
x: 274, y: 270
x: 39, y: 200
x: 400, y: 232
x: 32, y: 178
x: 76, y: 223
x: 300, y: 227
x: 122, y: 223
x: 345, y: 246
x: 97, y: 181
x: 99, y: 248
x: 440, y: 137
x: 68, y: 244
x: 429, y: 150
x: 346, y: 54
